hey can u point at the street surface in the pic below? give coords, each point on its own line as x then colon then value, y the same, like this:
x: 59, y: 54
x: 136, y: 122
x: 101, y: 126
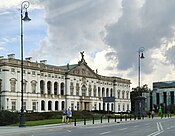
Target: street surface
x: 147, y: 127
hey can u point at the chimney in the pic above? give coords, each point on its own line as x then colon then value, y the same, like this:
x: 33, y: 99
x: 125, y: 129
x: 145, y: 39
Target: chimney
x: 11, y: 56
x: 28, y: 59
x: 1, y: 57
x: 43, y: 61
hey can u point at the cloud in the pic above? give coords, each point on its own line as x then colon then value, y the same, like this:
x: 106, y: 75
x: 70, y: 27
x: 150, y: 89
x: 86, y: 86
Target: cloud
x: 76, y: 25
x: 142, y: 25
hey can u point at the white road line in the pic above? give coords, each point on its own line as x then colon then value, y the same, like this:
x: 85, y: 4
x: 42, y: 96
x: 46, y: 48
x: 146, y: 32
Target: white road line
x: 123, y: 128
x: 107, y: 132
x: 171, y: 127
x: 159, y: 130
x: 69, y: 131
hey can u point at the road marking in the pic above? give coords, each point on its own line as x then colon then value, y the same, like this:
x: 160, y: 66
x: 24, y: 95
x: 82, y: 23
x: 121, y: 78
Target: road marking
x: 171, y: 127
x: 135, y: 126
x: 123, y: 128
x: 159, y: 130
x: 105, y: 133
x: 68, y: 131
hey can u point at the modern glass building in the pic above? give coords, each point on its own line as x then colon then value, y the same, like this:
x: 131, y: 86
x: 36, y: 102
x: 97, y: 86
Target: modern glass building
x: 163, y: 94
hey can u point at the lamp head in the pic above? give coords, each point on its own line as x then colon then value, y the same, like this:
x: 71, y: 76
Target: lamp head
x: 26, y: 18
x: 142, y: 57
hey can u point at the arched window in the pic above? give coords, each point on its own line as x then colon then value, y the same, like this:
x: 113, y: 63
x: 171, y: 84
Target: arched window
x: 71, y: 88
x: 107, y: 92
x: 123, y: 94
x: 118, y: 93
x: 103, y: 92
x: 95, y: 91
x: 99, y: 95
x: 62, y: 105
x: 13, y: 84
x: 55, y: 88
x: 127, y: 95
x: 99, y: 106
x: 33, y: 85
x: 103, y: 106
x: 112, y: 106
x: 77, y: 89
x: 49, y: 86
x: 83, y: 88
x: 42, y: 87
x: 56, y: 105
x: 0, y: 85
x: 111, y: 93
x: 62, y: 88
x: 42, y: 105
x: 90, y: 90
x: 49, y: 105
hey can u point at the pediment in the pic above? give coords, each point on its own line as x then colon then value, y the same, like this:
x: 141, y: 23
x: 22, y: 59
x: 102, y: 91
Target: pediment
x: 84, y: 71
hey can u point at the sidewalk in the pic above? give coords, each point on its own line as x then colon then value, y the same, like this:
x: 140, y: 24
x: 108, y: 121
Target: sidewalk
x: 16, y: 131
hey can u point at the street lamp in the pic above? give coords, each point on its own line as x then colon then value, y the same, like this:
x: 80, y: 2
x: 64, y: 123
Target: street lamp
x: 140, y: 56
x: 139, y: 99
x: 24, y: 6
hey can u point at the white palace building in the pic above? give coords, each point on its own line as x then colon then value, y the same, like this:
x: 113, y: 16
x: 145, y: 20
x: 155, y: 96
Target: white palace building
x: 55, y: 88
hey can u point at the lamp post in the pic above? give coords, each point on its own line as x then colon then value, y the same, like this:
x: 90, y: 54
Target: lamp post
x: 140, y: 56
x: 24, y: 6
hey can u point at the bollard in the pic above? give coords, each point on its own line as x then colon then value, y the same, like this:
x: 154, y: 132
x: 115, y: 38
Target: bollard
x: 125, y: 118
x: 93, y: 120
x: 108, y: 119
x: 101, y: 119
x: 130, y: 116
x: 115, y: 118
x: 84, y: 121
x: 134, y: 117
x: 120, y: 117
x: 75, y: 122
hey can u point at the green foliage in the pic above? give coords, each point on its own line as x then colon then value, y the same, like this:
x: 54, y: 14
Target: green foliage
x: 42, y: 115
x: 7, y: 118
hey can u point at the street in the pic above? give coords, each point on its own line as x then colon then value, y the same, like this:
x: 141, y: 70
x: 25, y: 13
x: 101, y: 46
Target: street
x: 147, y: 127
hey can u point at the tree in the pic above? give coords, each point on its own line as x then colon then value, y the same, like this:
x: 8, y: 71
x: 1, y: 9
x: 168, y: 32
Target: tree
x: 135, y: 93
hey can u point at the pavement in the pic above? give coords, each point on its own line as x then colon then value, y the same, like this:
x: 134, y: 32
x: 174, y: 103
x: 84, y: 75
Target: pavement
x: 31, y: 130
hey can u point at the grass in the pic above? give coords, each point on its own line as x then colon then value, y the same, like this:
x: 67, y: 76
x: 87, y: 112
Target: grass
x: 41, y: 122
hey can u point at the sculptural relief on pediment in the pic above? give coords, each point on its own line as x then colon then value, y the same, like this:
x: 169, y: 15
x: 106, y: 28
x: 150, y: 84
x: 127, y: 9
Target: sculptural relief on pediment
x: 83, y: 71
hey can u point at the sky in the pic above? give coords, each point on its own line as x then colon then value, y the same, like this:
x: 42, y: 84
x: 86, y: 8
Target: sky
x: 110, y: 32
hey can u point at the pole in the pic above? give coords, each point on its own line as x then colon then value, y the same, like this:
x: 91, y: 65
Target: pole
x: 24, y: 5
x: 22, y: 107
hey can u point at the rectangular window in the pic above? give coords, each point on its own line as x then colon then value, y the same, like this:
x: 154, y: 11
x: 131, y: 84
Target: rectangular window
x: 24, y: 105
x: 34, y: 106
x: 49, y: 75
x: 12, y: 70
x: 72, y: 105
x: 123, y: 107
x: 33, y: 73
x: 95, y: 106
x: 118, y: 107
x: 78, y: 106
x: 127, y: 107
x: 13, y: 105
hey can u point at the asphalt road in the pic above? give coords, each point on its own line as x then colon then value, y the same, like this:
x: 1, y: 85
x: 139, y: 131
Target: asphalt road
x: 148, y: 127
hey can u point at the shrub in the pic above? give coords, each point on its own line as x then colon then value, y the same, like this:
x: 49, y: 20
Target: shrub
x: 7, y: 118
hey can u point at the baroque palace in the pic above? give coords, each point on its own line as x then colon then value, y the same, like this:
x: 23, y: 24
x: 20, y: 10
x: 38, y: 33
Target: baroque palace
x: 55, y: 88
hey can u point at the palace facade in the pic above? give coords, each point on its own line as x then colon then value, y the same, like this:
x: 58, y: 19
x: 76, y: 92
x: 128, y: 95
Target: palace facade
x: 55, y: 88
